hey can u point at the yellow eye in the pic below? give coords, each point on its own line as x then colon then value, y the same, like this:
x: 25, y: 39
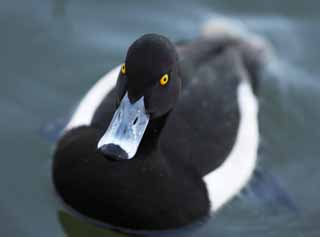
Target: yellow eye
x: 164, y: 79
x: 123, y: 69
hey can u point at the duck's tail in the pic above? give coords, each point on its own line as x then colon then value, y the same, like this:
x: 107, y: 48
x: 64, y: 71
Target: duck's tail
x: 255, y: 50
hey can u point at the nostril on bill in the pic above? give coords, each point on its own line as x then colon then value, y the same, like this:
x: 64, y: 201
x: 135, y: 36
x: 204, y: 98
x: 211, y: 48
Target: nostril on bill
x: 135, y: 121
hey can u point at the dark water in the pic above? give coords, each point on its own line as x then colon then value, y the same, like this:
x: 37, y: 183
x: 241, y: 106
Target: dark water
x: 51, y: 51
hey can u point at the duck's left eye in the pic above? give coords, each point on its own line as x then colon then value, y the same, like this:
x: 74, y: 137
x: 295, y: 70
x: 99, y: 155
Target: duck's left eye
x: 164, y: 79
x: 123, y: 69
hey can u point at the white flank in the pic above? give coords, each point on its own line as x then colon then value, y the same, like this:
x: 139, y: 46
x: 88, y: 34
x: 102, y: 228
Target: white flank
x: 228, y: 180
x: 88, y: 105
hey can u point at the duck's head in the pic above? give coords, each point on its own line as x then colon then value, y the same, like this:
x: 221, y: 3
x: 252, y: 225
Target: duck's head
x: 148, y: 87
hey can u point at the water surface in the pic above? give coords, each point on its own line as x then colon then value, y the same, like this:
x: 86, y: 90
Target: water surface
x: 52, y: 51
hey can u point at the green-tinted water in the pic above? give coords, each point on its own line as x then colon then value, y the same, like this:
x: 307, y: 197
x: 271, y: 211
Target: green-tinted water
x: 52, y: 51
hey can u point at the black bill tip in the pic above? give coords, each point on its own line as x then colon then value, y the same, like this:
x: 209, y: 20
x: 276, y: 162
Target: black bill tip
x: 114, y: 152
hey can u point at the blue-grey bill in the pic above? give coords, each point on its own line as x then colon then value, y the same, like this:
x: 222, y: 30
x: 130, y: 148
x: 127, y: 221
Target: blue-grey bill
x: 127, y: 126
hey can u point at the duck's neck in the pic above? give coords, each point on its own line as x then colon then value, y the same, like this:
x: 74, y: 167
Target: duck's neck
x: 150, y: 140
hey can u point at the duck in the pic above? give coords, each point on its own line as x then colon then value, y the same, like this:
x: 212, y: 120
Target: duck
x: 168, y: 137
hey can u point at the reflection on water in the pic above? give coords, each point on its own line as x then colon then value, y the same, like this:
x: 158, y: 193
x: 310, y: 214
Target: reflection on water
x: 52, y: 51
x: 74, y: 227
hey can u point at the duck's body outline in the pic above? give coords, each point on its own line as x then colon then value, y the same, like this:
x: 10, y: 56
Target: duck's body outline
x: 241, y: 158
x: 86, y: 109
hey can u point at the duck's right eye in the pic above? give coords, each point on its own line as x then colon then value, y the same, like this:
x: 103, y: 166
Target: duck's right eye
x: 123, y: 69
x: 164, y: 79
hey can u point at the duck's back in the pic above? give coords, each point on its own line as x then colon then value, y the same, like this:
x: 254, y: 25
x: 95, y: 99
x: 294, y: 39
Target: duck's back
x: 202, y: 129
